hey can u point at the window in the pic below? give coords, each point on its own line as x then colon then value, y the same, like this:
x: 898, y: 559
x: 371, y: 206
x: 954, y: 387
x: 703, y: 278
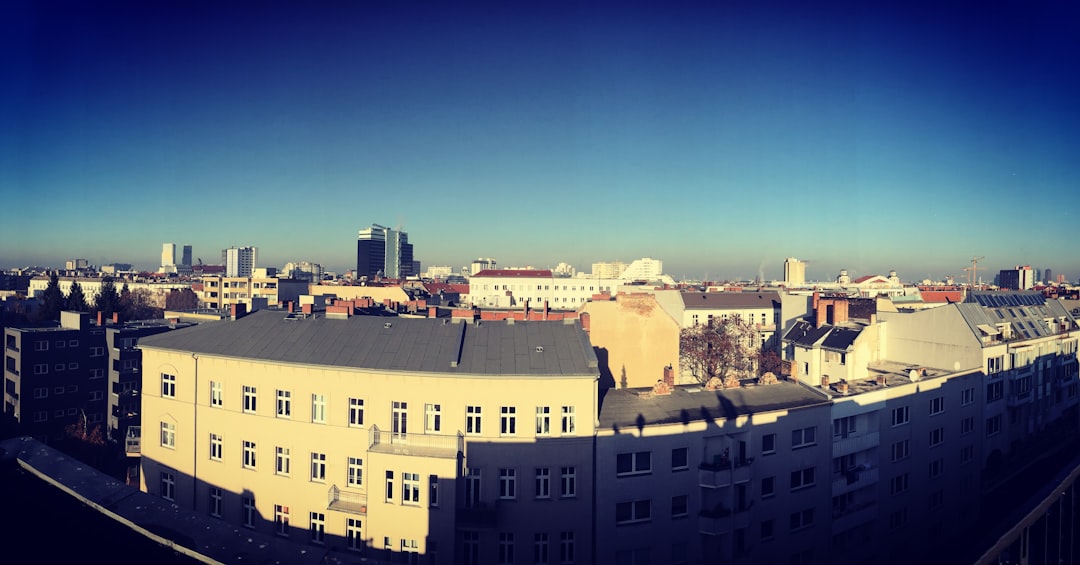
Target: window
x: 768, y: 487
x: 680, y: 459
x: 540, y: 548
x: 249, y: 399
x: 679, y: 506
x: 318, y: 467
x: 633, y: 463
x: 843, y: 427
x: 472, y: 420
x: 569, y: 425
x: 433, y: 490
x: 568, y: 481
x: 216, y: 497
x: 937, y: 405
x: 284, y: 404
x: 59, y: 344
x: 97, y: 373
x: 281, y: 520
x: 41, y: 346
x: 41, y: 416
x: 767, y: 532
x: 470, y: 548
x: 58, y: 390
x: 472, y: 487
x: 41, y: 392
x: 168, y: 385
x: 937, y: 499
x: 283, y: 461
x: 215, y: 394
x: 900, y: 416
x: 508, y: 420
x: 633, y: 512
x: 567, y: 552
x: 506, y: 547
x: 318, y: 408
x: 937, y: 467
x: 73, y: 343
x: 993, y: 426
x: 967, y: 396
x: 356, y: 411
x: 216, y: 447
x: 168, y: 435
x: 432, y: 417
x: 937, y: 436
x: 96, y: 395
x: 249, y: 454
x: 168, y: 486
x: 41, y: 369
x: 356, y: 472
x: 803, y: 519
x: 899, y: 484
x: 410, y: 488
x: 97, y: 351
x: 507, y: 483
x: 317, y: 526
x: 995, y: 364
x: 543, y: 420
x: 543, y: 482
x: 803, y: 437
x: 802, y: 478
x: 389, y: 486
x: 967, y: 454
x: 354, y: 538
x: 898, y: 518
x: 967, y: 425
x: 248, y: 511
x: 73, y: 366
x: 768, y: 444
x: 901, y: 450
x: 995, y: 391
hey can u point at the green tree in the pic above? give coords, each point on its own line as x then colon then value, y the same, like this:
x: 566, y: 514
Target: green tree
x: 76, y: 300
x: 52, y: 299
x: 107, y: 301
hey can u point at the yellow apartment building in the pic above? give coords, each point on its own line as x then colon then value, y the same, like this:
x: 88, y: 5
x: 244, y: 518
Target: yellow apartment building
x: 454, y: 440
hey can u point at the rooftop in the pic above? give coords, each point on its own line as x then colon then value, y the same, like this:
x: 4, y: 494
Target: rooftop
x: 624, y: 408
x: 439, y: 345
x: 720, y: 300
x: 513, y: 273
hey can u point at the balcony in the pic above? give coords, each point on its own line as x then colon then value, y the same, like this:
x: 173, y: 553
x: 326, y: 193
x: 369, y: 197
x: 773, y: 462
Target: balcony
x: 854, y: 480
x: 124, y: 412
x: 848, y: 519
x: 855, y: 444
x: 481, y: 515
x: 345, y: 501
x: 723, y: 474
x: 119, y: 367
x: 721, y: 520
x: 133, y: 441
x: 417, y: 445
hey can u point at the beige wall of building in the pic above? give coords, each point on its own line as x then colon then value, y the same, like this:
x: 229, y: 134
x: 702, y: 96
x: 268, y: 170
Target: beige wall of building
x: 638, y: 338
x: 376, y: 293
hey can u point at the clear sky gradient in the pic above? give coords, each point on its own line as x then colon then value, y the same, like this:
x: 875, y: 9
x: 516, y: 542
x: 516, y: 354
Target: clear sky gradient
x: 720, y: 137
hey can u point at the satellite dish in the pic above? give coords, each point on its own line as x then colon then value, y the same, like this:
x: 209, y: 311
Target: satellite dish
x: 914, y: 375
x: 956, y: 366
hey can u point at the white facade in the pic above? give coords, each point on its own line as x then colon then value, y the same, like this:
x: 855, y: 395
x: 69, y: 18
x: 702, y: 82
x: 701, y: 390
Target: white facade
x: 510, y: 289
x: 482, y: 264
x: 240, y: 261
x: 794, y: 272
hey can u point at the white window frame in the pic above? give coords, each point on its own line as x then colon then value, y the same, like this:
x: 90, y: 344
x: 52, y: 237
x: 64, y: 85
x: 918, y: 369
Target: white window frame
x: 217, y: 447
x: 569, y: 421
x: 216, y: 398
x: 543, y: 420
x: 168, y: 385
x: 284, y: 403
x: 356, y: 412
x: 507, y: 483
x: 473, y: 420
x: 355, y: 467
x: 282, y: 461
x: 251, y: 399
x: 543, y: 483
x: 803, y: 437
x: 508, y: 420
x: 318, y: 467
x: 168, y: 435
x: 318, y: 408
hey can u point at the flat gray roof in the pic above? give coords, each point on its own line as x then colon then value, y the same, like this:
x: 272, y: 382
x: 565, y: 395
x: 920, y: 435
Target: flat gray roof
x: 533, y: 348
x: 623, y: 408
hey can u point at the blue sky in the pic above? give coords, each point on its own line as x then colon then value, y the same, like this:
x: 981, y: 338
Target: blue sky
x: 720, y: 137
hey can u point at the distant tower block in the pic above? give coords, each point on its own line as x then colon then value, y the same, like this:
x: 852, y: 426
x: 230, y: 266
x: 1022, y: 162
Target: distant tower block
x: 794, y: 272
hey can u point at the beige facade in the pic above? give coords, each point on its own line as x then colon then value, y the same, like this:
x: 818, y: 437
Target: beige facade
x: 383, y: 461
x: 222, y: 292
x: 376, y: 293
x: 635, y: 339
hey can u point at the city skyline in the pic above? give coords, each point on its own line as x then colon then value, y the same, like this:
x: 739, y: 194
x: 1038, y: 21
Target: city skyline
x: 720, y: 139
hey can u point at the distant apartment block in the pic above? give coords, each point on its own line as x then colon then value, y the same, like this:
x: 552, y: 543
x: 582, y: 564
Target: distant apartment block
x: 511, y: 288
x: 168, y: 256
x: 645, y: 269
x: 240, y: 261
x: 1018, y: 278
x: 481, y: 264
x: 794, y: 273
x: 222, y: 292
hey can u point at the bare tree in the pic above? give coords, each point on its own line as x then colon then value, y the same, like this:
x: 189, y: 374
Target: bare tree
x: 723, y: 347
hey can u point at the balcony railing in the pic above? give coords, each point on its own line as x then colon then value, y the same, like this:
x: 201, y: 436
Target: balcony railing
x: 848, y: 519
x: 721, y: 520
x: 854, y: 480
x: 133, y: 441
x: 855, y: 444
x: 346, y: 501
x: 422, y: 445
x: 723, y: 474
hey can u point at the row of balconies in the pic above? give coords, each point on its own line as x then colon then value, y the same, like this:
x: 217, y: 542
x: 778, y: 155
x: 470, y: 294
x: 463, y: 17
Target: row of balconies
x: 423, y: 445
x: 721, y: 520
x: 719, y: 476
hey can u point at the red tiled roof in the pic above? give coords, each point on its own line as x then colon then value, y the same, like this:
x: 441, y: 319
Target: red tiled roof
x: 942, y: 296
x: 866, y: 278
x: 517, y: 273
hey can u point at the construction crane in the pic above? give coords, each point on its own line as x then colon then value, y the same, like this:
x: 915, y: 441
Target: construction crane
x: 974, y: 270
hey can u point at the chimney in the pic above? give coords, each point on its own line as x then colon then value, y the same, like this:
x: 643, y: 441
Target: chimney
x: 307, y: 308
x: 116, y: 318
x: 669, y: 375
x: 842, y: 387
x: 817, y: 298
x: 824, y: 381
x: 840, y: 311
x: 881, y: 380
x: 820, y: 312
x: 525, y: 308
x: 545, y: 309
x: 585, y: 322
x: 432, y: 311
x: 100, y: 318
x: 289, y: 306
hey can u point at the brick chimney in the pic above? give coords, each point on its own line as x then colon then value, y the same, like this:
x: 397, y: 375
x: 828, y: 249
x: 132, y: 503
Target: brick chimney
x: 545, y: 309
x: 585, y: 321
x: 840, y: 311
x: 432, y: 311
x: 669, y: 375
x: 116, y: 318
x: 100, y: 318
